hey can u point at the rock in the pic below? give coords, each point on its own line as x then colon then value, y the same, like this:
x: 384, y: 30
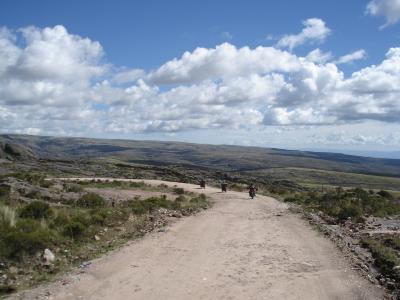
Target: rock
x: 396, y: 268
x: 97, y: 238
x: 13, y: 270
x: 48, y: 256
x: 85, y: 264
x: 364, y: 266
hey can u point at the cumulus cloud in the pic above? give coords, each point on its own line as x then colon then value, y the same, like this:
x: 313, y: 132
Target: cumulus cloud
x: 318, y: 56
x: 223, y: 61
x: 315, y: 30
x: 55, y: 82
x: 389, y: 9
x: 127, y: 76
x: 356, y: 55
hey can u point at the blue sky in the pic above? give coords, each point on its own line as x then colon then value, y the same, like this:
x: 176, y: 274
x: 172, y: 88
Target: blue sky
x: 146, y: 34
x: 109, y: 66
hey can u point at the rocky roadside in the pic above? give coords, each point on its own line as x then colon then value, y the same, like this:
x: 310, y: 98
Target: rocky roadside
x: 348, y: 237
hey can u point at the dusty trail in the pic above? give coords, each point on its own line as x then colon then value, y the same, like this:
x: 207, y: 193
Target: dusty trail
x: 239, y: 249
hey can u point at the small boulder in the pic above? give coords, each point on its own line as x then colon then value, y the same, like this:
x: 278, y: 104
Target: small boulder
x: 97, y: 238
x: 48, y: 256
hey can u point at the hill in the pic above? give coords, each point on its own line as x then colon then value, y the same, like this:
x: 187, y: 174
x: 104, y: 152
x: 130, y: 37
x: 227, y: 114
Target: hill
x: 300, y: 166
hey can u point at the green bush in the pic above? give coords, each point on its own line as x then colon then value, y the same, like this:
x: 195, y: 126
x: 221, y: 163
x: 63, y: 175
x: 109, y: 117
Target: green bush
x: 176, y: 205
x: 81, y: 217
x: 385, y: 194
x: 32, y: 178
x: 91, y: 200
x: 74, y: 229
x: 352, y: 203
x: 180, y: 198
x: 46, y: 183
x: 61, y: 218
x: 352, y: 211
x: 33, y: 194
x: 27, y: 238
x: 200, y: 201
x: 36, y: 210
x: 73, y: 188
x: 137, y: 207
x: 385, y: 258
x: 179, y: 191
x: 99, y: 217
x: 4, y: 191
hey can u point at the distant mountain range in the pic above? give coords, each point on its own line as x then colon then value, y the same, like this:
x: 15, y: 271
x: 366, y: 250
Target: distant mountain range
x: 222, y: 157
x: 365, y: 153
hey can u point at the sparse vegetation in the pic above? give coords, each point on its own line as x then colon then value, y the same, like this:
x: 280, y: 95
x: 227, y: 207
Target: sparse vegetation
x: 91, y: 200
x: 386, y: 258
x: 36, y: 210
x: 352, y: 203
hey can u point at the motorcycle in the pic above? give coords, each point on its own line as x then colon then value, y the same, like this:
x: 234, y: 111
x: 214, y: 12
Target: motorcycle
x: 223, y: 187
x: 252, y: 193
x: 202, y: 184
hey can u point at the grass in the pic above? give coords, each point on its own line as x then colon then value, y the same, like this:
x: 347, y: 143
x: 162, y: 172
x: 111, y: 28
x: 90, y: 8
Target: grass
x: 352, y: 203
x: 317, y: 178
x: 385, y: 258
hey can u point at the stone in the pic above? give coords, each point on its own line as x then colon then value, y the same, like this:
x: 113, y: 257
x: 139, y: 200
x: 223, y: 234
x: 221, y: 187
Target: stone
x: 97, y: 238
x: 48, y: 256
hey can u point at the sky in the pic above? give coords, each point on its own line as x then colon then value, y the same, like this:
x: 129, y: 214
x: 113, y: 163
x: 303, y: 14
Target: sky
x: 305, y: 74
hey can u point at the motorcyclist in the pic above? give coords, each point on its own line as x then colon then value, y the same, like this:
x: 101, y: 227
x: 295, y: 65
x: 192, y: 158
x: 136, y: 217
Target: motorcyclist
x: 202, y: 183
x: 252, y: 190
x: 224, y: 186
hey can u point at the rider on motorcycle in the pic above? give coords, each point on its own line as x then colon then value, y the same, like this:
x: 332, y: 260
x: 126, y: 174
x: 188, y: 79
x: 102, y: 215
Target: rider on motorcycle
x: 224, y: 185
x: 252, y: 190
x: 202, y: 183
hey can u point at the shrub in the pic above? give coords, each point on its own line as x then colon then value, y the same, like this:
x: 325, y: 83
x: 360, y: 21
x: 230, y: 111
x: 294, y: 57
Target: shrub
x: 352, y: 211
x: 74, y: 229
x: 179, y: 191
x: 7, y: 216
x: 28, y: 237
x: 81, y: 217
x: 4, y: 191
x: 176, y: 205
x: 385, y: 258
x: 73, y: 188
x: 32, y: 178
x: 60, y: 219
x: 99, y: 217
x: 385, y: 194
x: 180, y: 198
x: 91, y: 200
x: 138, y: 208
x: 200, y: 201
x: 33, y: 194
x: 36, y: 210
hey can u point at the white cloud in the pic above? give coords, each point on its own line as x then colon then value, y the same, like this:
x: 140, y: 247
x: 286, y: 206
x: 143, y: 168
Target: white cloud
x: 389, y: 9
x: 318, y: 56
x: 356, y: 55
x: 314, y: 30
x: 57, y: 83
x: 126, y: 76
x: 223, y: 61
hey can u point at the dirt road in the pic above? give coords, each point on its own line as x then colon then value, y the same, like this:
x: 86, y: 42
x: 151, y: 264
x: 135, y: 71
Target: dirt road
x: 239, y: 249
